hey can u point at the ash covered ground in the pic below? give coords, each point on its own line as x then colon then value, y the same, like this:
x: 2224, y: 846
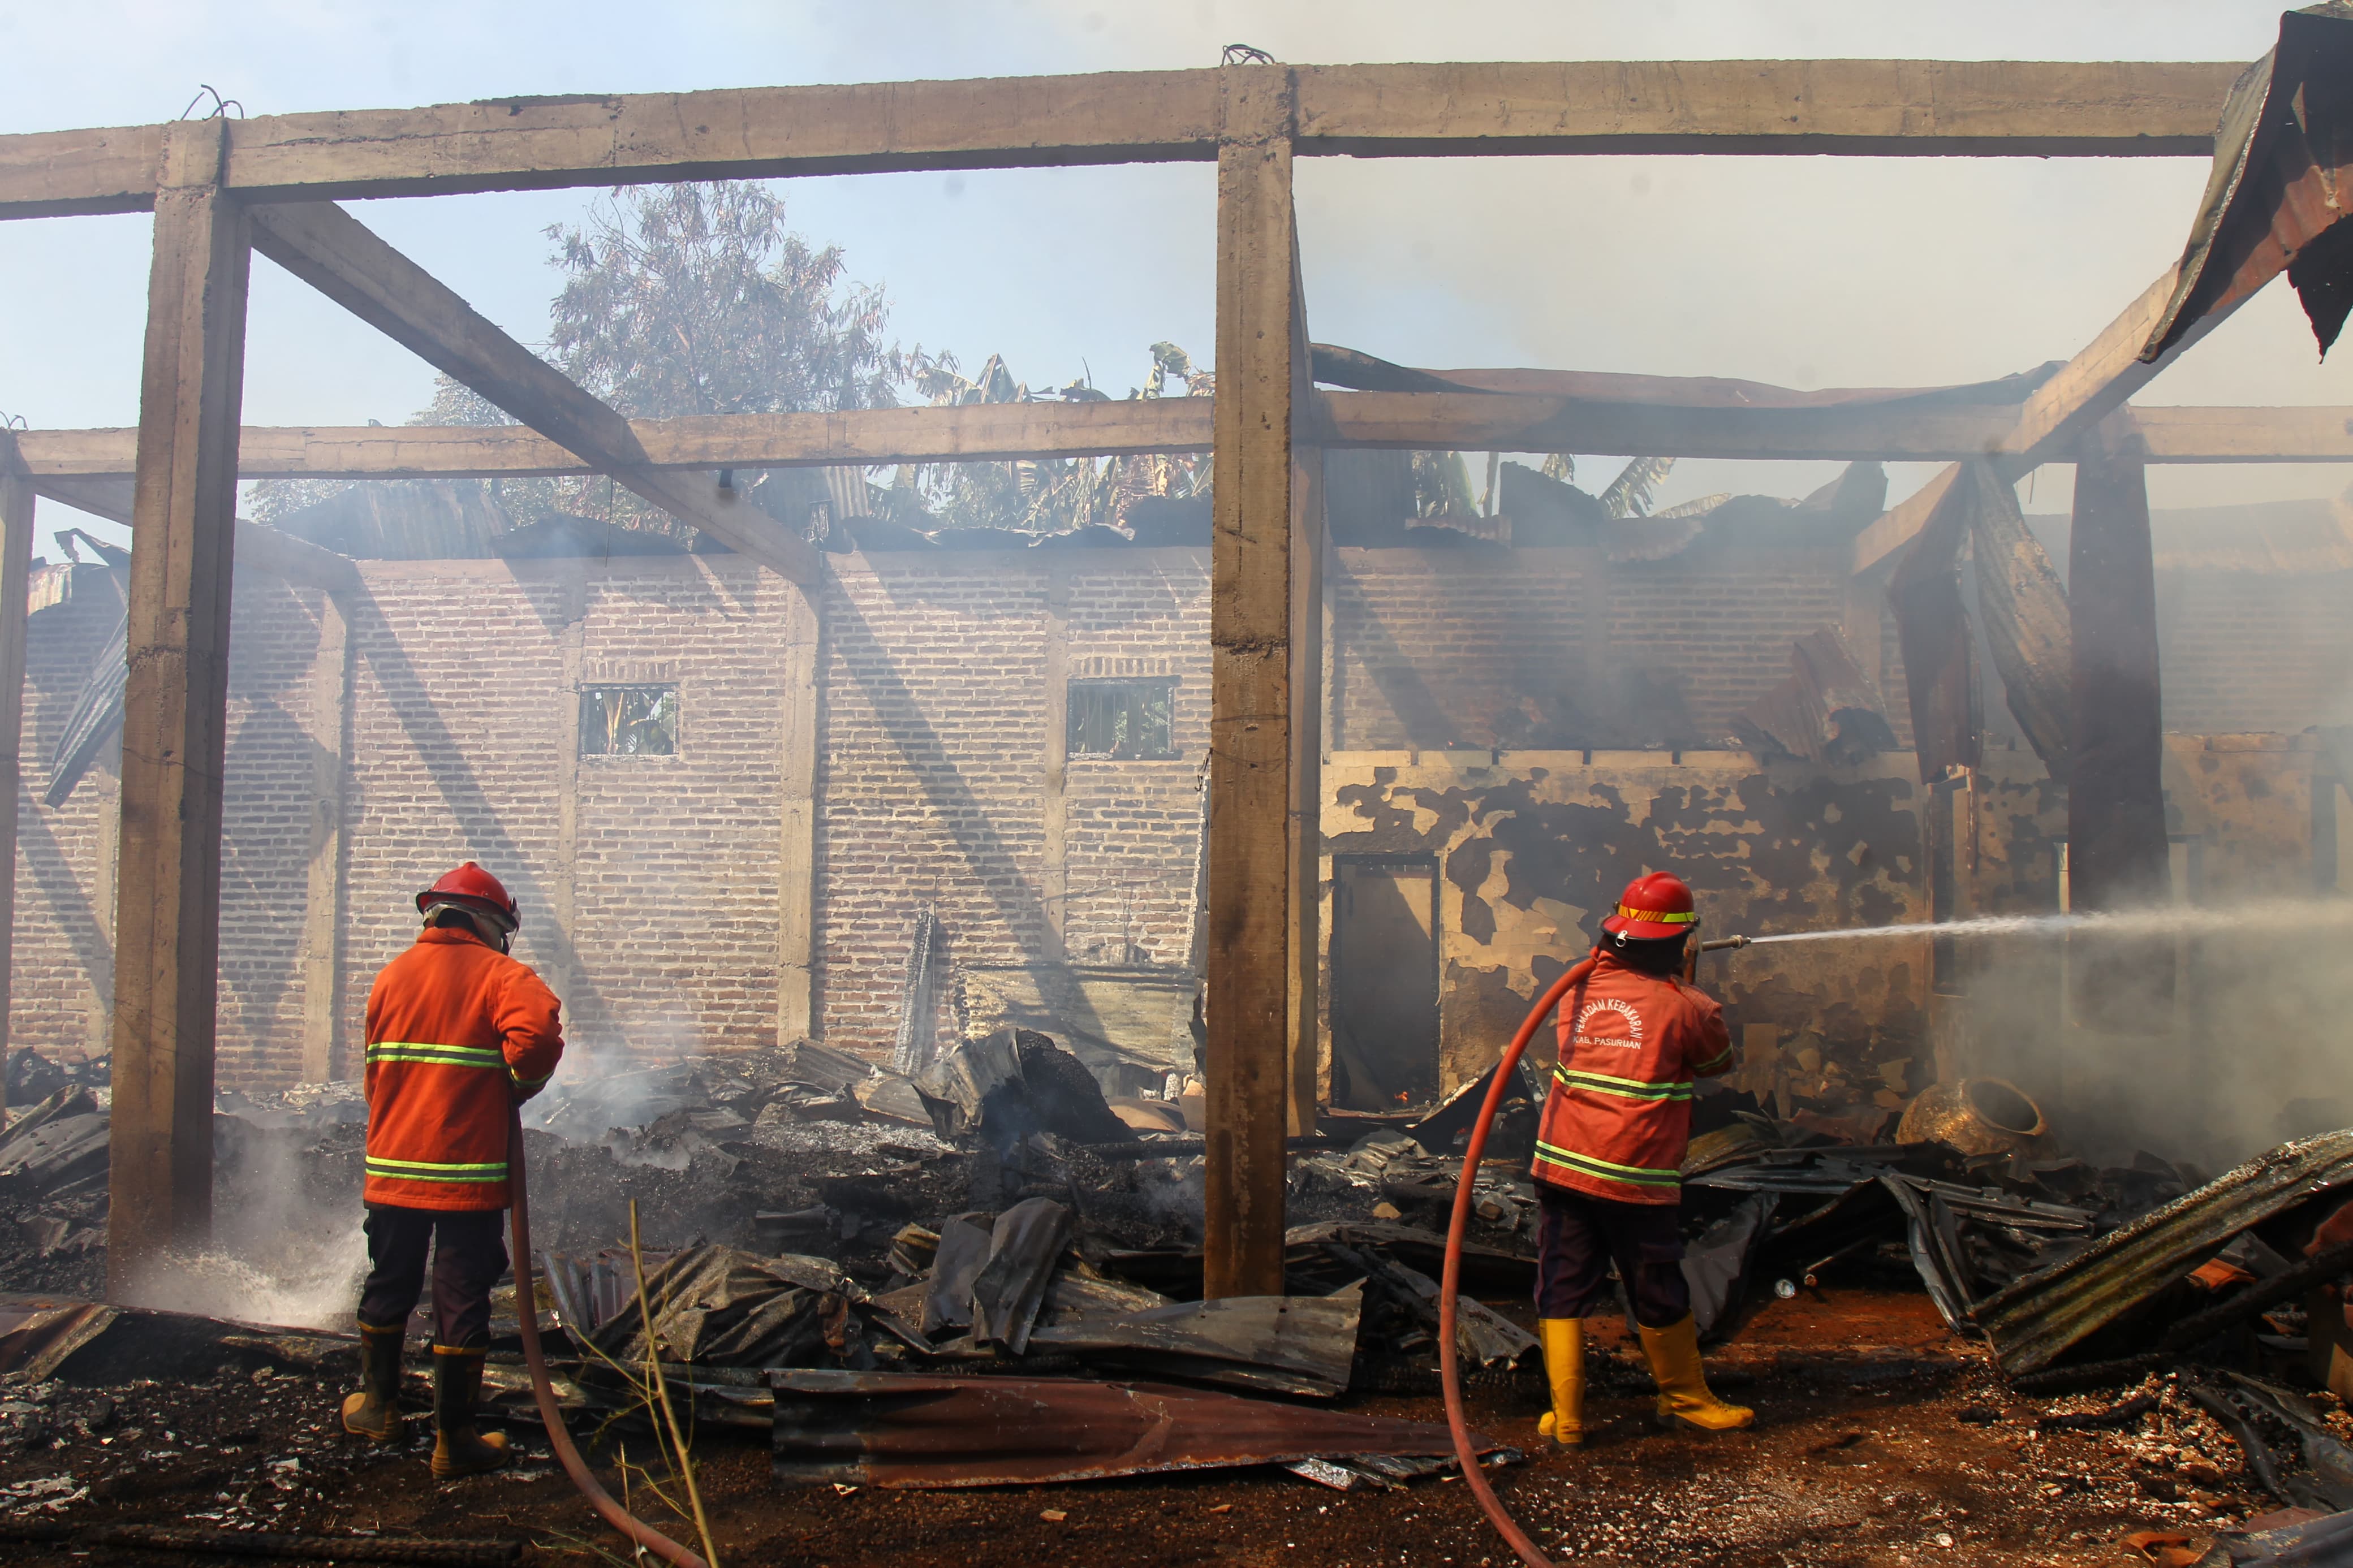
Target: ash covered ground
x: 1883, y: 1435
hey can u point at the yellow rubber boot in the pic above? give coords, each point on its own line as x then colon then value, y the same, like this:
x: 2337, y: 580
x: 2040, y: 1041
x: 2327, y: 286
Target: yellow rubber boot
x: 1673, y: 1354
x: 1563, y: 1339
x: 457, y: 1448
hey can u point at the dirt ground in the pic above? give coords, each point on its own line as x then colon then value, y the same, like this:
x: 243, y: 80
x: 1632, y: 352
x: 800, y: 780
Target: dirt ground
x: 1880, y: 1440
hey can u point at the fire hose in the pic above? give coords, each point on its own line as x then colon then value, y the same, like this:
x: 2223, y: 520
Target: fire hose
x: 1451, y: 1279
x: 559, y: 1437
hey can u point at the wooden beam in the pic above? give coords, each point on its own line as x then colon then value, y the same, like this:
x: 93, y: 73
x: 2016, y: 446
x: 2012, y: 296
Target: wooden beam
x: 992, y: 432
x: 64, y: 173
x: 1853, y: 108
x: 2317, y: 434
x: 1445, y: 421
x: 321, y: 958
x: 2118, y: 857
x: 176, y: 713
x: 1263, y: 379
x: 16, y: 504
x: 1878, y: 107
x: 333, y: 251
x: 2061, y: 412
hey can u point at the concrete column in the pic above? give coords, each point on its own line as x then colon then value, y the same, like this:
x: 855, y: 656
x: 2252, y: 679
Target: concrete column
x: 796, y: 881
x: 176, y: 710
x: 1054, y: 762
x: 1306, y: 782
x: 15, y: 567
x: 322, y: 912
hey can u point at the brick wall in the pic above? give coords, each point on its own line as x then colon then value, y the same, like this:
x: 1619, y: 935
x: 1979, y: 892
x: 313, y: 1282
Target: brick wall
x: 266, y: 814
x: 2254, y: 651
x: 63, y: 941
x: 1472, y: 649
x: 1132, y: 829
x: 651, y: 885
x: 658, y: 929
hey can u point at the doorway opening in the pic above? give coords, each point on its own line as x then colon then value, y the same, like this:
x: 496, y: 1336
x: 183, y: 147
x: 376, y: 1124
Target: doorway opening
x: 1383, y: 982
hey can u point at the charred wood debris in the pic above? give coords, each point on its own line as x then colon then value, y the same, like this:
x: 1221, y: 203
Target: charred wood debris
x: 868, y: 1270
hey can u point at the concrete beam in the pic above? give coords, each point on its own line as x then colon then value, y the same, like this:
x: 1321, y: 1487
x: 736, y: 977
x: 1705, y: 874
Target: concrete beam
x: 333, y: 251
x: 1262, y: 380
x: 176, y: 712
x: 1875, y: 108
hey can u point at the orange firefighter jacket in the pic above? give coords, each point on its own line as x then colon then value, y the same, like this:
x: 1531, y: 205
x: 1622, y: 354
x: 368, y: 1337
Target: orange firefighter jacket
x: 457, y: 1033
x: 1618, y: 1120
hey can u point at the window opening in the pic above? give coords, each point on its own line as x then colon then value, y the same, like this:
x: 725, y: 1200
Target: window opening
x: 628, y: 721
x: 1123, y: 719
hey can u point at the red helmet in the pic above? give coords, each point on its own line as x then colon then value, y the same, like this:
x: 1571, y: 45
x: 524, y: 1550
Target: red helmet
x: 1653, y: 906
x: 471, y: 887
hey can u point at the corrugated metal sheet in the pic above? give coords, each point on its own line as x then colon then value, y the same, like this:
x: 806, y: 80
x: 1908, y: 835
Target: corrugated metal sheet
x: 1336, y: 366
x: 36, y: 1336
x: 2282, y: 154
x: 2032, y: 1321
x: 890, y: 1429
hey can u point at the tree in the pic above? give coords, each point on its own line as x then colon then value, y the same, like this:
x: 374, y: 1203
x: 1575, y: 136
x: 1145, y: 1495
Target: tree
x: 678, y: 299
x: 697, y: 299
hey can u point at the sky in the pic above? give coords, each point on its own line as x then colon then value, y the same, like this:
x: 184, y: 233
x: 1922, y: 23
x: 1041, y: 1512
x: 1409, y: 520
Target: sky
x: 1806, y: 272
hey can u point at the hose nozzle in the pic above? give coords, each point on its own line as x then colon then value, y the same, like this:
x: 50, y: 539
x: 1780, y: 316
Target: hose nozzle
x: 1722, y: 943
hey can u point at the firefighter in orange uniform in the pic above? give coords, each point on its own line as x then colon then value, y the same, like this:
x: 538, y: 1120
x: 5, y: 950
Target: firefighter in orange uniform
x: 1634, y: 1041
x: 458, y: 1035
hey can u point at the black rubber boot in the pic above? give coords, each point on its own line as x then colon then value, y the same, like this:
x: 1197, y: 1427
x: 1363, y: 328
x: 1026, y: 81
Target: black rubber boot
x: 457, y: 1448
x: 373, y: 1412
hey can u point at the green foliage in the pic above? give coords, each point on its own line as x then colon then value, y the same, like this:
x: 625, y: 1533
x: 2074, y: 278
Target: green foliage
x: 1052, y: 495
x: 1629, y: 495
x: 1441, y: 485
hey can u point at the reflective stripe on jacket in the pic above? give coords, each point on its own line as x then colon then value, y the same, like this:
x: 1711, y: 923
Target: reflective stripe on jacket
x: 457, y: 1032
x: 1618, y: 1119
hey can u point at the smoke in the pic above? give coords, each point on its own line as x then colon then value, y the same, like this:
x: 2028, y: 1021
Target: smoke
x: 285, y: 1250
x: 2205, y: 1035
x: 2311, y: 915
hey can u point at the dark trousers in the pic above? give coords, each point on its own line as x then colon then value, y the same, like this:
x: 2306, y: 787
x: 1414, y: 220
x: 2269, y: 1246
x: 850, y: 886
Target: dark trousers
x: 469, y: 1254
x: 1577, y: 1237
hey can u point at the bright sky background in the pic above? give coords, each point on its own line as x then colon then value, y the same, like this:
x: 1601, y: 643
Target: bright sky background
x: 1806, y: 272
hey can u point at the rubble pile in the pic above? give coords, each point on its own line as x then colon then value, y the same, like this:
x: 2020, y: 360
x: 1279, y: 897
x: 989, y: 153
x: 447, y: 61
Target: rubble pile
x: 826, y: 1244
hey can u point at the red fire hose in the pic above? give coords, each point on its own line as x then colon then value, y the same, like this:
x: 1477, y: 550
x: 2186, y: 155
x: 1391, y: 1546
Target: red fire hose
x: 1450, y: 1280
x: 558, y: 1437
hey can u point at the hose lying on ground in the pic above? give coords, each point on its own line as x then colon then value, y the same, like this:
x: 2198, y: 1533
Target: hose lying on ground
x: 559, y: 1437
x: 1448, y: 1371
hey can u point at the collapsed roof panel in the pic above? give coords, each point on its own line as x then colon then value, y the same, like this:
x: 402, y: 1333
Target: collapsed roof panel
x: 2273, y: 201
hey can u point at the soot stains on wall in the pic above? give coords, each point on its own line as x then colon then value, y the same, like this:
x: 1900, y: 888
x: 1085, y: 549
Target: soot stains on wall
x: 1534, y: 850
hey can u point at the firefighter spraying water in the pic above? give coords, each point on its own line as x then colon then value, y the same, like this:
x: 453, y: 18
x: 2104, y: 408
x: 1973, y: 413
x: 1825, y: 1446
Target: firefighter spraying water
x: 1634, y: 1040
x: 458, y: 1035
